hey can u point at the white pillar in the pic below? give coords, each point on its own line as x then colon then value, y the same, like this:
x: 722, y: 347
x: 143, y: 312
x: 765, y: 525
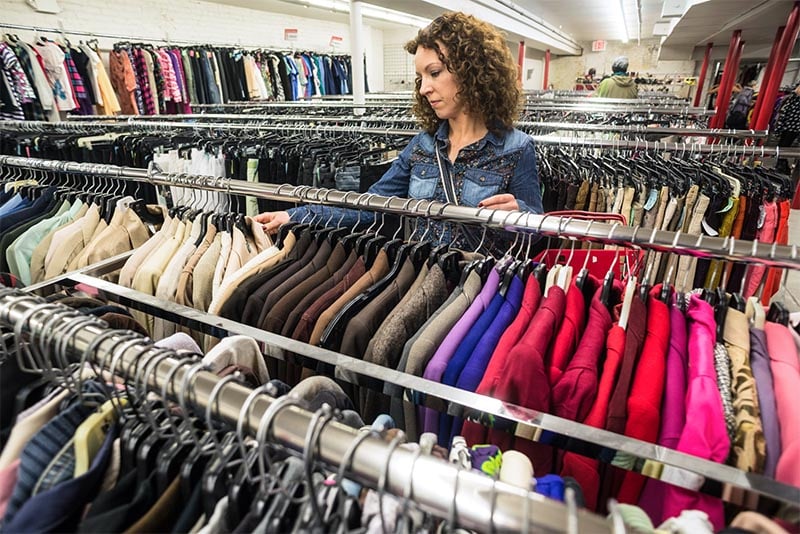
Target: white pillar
x: 357, y: 54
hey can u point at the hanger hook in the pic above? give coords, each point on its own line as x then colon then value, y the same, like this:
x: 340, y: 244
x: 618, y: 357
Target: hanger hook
x: 383, y: 479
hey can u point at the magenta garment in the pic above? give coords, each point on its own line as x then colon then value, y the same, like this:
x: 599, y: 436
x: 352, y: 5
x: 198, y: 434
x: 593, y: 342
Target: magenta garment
x: 673, y: 416
x: 785, y: 369
x: 765, y: 234
x: 8, y: 479
x: 441, y: 358
x: 704, y: 434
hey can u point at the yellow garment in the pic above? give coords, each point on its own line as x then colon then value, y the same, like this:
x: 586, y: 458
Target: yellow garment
x: 108, y: 104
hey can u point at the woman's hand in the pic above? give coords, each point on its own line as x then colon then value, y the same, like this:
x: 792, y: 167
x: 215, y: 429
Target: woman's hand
x: 506, y: 201
x: 272, y: 220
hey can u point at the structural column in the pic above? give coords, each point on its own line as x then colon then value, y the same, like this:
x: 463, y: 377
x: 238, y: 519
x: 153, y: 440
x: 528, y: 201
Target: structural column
x: 769, y: 90
x: 357, y: 55
x: 546, y: 75
x: 729, y: 73
x: 520, y: 61
x: 703, y: 72
x: 773, y: 56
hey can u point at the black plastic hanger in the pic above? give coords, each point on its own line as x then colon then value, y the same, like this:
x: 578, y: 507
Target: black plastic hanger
x: 778, y: 313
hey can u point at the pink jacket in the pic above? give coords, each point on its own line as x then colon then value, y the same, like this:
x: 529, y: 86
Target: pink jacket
x: 704, y: 434
x: 786, y: 381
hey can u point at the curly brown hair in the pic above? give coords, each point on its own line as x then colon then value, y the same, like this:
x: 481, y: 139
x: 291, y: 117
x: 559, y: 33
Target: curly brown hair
x: 480, y: 60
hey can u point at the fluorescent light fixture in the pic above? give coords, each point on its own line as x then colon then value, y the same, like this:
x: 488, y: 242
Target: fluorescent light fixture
x: 370, y: 11
x: 623, y: 30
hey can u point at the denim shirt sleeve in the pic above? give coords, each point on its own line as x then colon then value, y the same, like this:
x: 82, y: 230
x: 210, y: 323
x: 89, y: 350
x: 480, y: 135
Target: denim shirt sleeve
x: 394, y: 182
x: 524, y: 183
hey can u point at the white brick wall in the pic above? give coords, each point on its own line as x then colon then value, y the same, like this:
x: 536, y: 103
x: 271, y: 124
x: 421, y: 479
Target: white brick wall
x: 643, y: 60
x: 195, y: 21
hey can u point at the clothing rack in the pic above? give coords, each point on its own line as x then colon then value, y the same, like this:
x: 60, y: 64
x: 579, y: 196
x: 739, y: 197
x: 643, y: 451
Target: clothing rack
x: 532, y: 125
x: 161, y: 125
x: 475, y: 499
x: 166, y: 41
x: 772, y: 255
x: 528, y: 422
x: 543, y: 105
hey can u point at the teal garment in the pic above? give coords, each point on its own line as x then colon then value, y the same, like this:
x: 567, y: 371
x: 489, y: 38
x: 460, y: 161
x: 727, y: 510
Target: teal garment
x: 20, y: 252
x: 321, y: 73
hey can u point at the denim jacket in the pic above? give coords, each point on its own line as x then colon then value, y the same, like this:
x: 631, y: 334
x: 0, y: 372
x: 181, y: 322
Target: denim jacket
x: 492, y: 165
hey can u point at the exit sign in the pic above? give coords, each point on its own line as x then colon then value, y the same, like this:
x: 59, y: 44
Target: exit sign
x: 598, y: 46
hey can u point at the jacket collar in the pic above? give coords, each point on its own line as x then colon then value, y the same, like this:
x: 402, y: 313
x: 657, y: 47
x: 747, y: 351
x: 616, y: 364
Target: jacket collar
x: 444, y: 129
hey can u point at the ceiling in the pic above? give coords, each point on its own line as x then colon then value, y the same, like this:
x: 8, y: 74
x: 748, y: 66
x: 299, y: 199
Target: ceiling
x: 715, y: 20
x: 597, y: 19
x: 587, y: 20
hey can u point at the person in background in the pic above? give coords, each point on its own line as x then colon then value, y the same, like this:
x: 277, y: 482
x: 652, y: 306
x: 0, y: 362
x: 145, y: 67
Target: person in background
x: 589, y: 78
x: 740, y: 106
x: 788, y: 126
x: 619, y: 84
x: 466, y: 99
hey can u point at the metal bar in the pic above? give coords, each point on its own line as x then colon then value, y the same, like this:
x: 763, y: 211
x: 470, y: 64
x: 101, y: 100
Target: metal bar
x: 521, y: 421
x: 102, y: 266
x: 545, y: 105
x: 479, y: 500
x: 771, y: 255
x: 527, y: 125
x: 703, y: 71
x: 733, y: 150
x: 760, y: 151
x: 139, y: 38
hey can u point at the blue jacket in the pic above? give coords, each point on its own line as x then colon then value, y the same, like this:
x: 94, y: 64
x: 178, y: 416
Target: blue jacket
x: 492, y: 165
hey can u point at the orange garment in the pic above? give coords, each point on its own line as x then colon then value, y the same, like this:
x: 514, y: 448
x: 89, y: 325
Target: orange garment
x: 774, y: 275
x: 123, y: 80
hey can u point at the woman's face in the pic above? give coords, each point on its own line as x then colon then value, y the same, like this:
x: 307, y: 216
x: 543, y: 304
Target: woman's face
x: 437, y: 84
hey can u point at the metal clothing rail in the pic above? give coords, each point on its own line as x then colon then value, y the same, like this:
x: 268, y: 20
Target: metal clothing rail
x: 532, y: 125
x: 543, y: 105
x: 288, y: 124
x: 436, y: 486
x: 139, y: 38
x: 668, y: 146
x: 701, y: 246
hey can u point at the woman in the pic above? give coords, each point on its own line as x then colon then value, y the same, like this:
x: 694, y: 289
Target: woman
x: 466, y: 98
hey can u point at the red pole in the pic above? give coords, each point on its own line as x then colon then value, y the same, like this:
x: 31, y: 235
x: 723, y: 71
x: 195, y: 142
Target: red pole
x: 729, y: 72
x: 520, y: 60
x: 546, y: 68
x: 785, y: 47
x: 703, y: 71
x: 767, y: 74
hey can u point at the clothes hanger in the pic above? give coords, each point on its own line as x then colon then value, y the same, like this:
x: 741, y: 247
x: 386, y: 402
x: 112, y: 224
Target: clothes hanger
x: 148, y: 454
x: 221, y: 474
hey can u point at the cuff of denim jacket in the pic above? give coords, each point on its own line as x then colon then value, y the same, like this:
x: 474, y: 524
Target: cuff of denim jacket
x: 523, y: 206
x: 297, y: 214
